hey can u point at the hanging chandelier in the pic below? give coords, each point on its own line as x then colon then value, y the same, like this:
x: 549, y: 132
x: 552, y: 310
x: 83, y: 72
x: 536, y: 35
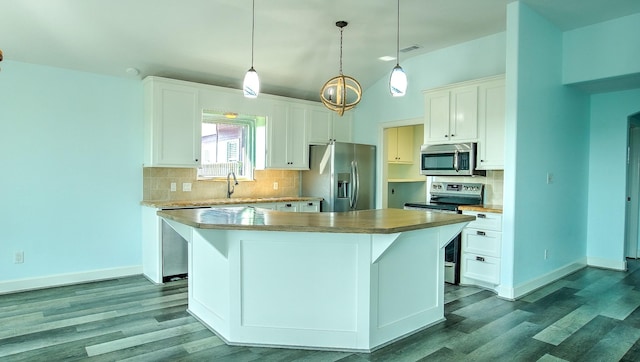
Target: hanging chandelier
x: 398, y: 79
x: 251, y: 84
x: 341, y: 93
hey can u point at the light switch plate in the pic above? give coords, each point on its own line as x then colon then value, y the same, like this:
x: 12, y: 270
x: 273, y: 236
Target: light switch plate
x: 186, y: 186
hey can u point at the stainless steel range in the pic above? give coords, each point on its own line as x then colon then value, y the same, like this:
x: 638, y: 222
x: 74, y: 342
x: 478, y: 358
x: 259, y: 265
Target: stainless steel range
x: 447, y: 197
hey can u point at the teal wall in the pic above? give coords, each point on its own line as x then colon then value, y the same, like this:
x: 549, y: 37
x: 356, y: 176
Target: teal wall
x: 548, y: 133
x: 606, y: 55
x: 475, y: 59
x: 605, y: 50
x: 71, y: 151
x: 607, y: 172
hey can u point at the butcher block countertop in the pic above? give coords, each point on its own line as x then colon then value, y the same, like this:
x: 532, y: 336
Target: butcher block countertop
x: 482, y: 208
x: 377, y: 221
x: 229, y: 201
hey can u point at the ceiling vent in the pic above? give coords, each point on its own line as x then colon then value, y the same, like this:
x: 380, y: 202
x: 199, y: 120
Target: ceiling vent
x: 409, y: 49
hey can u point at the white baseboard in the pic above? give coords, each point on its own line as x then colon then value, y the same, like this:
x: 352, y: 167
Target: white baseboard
x: 20, y: 285
x: 620, y: 265
x: 531, y: 285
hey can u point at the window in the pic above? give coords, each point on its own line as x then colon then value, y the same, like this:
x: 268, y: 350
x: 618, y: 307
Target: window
x: 228, y: 145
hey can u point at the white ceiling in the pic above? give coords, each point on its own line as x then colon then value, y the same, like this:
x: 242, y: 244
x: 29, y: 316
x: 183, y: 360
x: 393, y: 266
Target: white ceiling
x: 296, y: 42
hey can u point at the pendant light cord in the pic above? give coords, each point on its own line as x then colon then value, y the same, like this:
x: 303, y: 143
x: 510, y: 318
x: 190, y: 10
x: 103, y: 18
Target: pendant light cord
x: 253, y: 26
x: 398, y: 37
x: 341, y: 51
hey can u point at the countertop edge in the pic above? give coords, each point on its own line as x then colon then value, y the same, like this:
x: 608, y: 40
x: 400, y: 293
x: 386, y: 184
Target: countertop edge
x: 497, y: 209
x: 317, y: 228
x: 222, y: 202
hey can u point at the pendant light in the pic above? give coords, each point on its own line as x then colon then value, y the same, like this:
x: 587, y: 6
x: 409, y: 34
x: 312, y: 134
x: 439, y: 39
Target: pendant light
x: 398, y: 80
x: 341, y: 93
x: 251, y: 84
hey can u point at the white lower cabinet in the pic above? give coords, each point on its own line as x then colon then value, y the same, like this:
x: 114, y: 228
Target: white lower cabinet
x: 481, y: 250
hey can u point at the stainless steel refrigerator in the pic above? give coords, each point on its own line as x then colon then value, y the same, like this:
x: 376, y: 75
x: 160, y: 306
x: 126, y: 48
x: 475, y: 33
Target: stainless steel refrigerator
x: 343, y: 174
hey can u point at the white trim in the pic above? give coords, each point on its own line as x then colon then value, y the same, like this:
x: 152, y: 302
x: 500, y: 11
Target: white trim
x: 19, y: 285
x: 536, y: 283
x: 620, y: 265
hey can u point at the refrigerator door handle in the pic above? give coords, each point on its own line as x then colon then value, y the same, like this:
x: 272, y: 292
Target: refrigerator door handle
x: 352, y: 192
x: 356, y: 185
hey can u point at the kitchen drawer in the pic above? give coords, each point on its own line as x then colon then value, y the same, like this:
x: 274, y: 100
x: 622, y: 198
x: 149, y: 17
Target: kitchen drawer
x: 287, y: 206
x: 267, y: 205
x: 309, y: 206
x: 479, y: 267
x: 483, y: 242
x: 485, y: 220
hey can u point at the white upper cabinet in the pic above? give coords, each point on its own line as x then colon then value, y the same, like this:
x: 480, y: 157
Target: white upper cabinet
x: 324, y: 126
x: 287, y: 146
x: 342, y: 127
x: 172, y: 124
x: 472, y: 111
x: 491, y: 119
x: 451, y: 115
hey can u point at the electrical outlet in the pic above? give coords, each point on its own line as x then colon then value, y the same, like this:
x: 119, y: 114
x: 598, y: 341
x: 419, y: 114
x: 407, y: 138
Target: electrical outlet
x: 549, y: 178
x: 186, y: 186
x: 18, y: 258
x: 275, y: 185
x: 546, y: 254
x: 174, y: 187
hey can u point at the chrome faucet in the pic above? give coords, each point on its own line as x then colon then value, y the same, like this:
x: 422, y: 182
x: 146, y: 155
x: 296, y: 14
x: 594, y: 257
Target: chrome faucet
x: 231, y: 189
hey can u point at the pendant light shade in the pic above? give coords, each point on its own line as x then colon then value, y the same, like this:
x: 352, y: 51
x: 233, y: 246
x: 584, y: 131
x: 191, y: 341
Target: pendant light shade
x: 341, y: 93
x: 251, y: 84
x: 398, y: 82
x: 398, y: 79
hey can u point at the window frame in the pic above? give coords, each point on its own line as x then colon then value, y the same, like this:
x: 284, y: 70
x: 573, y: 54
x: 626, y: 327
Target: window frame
x: 214, y: 117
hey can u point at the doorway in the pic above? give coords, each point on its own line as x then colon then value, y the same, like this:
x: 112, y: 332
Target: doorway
x: 401, y: 181
x: 632, y: 221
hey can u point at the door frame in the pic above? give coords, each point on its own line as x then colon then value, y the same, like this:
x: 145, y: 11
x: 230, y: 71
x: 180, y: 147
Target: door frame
x: 632, y: 209
x: 382, y: 155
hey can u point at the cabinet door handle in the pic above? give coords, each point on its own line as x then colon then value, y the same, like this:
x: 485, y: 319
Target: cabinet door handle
x: 310, y: 204
x: 288, y: 205
x: 453, y: 135
x: 482, y: 216
x: 479, y: 258
x: 481, y: 233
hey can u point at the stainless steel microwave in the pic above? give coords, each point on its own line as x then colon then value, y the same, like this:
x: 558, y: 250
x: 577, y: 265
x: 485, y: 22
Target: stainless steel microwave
x: 457, y: 159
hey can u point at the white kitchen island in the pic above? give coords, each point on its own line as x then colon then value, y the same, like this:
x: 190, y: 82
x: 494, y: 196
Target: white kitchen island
x: 345, y: 281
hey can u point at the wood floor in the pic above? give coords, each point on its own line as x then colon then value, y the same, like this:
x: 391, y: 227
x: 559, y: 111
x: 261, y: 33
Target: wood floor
x: 591, y: 315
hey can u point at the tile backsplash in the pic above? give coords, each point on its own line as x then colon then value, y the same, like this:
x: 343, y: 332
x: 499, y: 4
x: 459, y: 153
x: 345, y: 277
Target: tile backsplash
x: 157, y: 185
